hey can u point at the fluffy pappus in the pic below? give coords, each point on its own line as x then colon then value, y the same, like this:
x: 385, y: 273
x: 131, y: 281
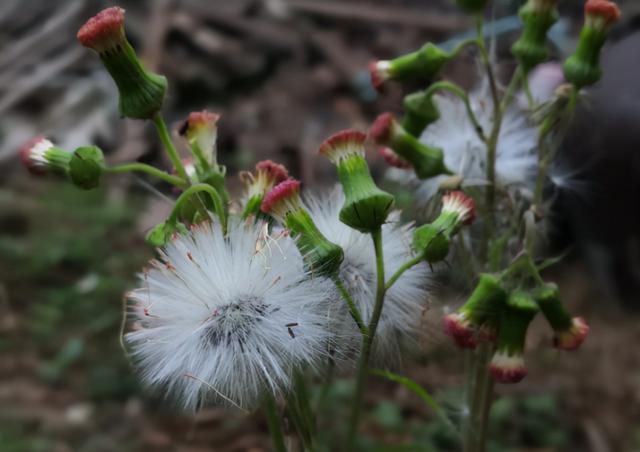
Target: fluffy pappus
x: 226, y: 318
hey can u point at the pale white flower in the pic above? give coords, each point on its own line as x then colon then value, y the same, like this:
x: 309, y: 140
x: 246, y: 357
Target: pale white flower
x: 466, y: 154
x: 405, y: 302
x: 226, y: 319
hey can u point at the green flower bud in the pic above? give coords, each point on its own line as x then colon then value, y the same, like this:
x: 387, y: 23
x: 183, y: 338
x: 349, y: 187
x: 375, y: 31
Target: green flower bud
x: 141, y: 92
x: 531, y: 48
x: 424, y: 63
x: 569, y: 333
x: 507, y: 364
x: 321, y: 257
x: 160, y: 234
x: 366, y: 206
x: 478, y: 318
x: 420, y: 111
x: 41, y: 156
x: 426, y: 161
x: 86, y: 167
x: 583, y: 67
x: 432, y: 240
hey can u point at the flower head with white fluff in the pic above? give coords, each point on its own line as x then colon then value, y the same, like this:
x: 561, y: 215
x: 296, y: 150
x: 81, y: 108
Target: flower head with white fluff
x: 465, y: 153
x: 401, y: 319
x: 226, y: 318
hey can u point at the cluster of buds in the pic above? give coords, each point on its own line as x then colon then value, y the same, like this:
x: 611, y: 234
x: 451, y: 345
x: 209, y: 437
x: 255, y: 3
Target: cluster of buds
x: 268, y: 175
x: 83, y: 167
x: 531, y: 48
x: 283, y: 203
x: 366, y: 207
x: 583, y: 67
x: 432, y: 240
x: 141, y: 92
x: 492, y: 314
x: 426, y: 161
x: 424, y: 63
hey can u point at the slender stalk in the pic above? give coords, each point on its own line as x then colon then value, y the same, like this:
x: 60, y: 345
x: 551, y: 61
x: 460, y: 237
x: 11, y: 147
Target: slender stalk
x: 353, y: 309
x: 486, y: 62
x: 406, y: 266
x: 367, y: 341
x: 215, y: 197
x: 481, y: 398
x: 148, y: 169
x: 165, y: 137
x: 458, y: 91
x: 273, y: 421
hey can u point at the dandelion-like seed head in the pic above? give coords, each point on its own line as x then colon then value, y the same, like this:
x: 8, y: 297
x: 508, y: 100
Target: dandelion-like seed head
x: 343, y: 144
x: 461, y: 204
x: 405, y: 302
x: 104, y: 32
x: 226, y: 318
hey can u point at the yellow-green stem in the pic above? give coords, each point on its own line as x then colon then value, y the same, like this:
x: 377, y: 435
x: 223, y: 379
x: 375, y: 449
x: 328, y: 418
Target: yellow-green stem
x: 165, y: 137
x: 148, y: 169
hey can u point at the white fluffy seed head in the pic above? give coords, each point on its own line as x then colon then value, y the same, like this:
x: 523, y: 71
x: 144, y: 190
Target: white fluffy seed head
x: 465, y: 153
x: 226, y: 319
x: 405, y: 302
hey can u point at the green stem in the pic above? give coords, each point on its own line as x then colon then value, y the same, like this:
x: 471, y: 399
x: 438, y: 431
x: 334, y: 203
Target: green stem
x: 367, y: 341
x: 215, y: 197
x: 353, y: 309
x: 458, y: 91
x: 474, y: 438
x: 165, y: 137
x: 273, y: 421
x: 486, y: 62
x: 148, y: 169
x: 406, y: 266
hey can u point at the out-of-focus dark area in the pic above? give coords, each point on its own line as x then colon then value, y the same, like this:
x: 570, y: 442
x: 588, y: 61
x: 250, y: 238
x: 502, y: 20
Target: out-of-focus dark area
x: 285, y: 74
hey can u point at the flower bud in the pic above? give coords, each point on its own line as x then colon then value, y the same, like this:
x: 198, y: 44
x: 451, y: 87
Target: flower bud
x: 426, y: 161
x: 86, y: 166
x: 477, y: 319
x: 569, y: 333
x: 420, y: 111
x: 424, y: 63
x: 472, y: 6
x: 583, y: 67
x: 160, y: 234
x: 432, y: 240
x: 531, y: 48
x: 393, y: 159
x: 507, y: 364
x: 201, y: 131
x: 268, y: 175
x: 41, y: 156
x: 141, y: 92
x: 366, y: 206
x: 321, y: 256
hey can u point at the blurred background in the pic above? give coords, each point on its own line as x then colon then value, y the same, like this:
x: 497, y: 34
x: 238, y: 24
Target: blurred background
x: 285, y: 74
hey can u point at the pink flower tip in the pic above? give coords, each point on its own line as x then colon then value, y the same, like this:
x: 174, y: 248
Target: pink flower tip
x: 102, y: 28
x: 29, y: 155
x: 605, y: 9
x: 457, y: 201
x: 284, y: 191
x: 573, y: 337
x: 462, y: 333
x: 381, y: 129
x: 273, y: 171
x: 379, y: 72
x: 505, y: 368
x: 393, y: 159
x: 342, y: 144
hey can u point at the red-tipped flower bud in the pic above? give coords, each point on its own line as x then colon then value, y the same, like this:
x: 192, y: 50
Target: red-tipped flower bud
x: 393, y: 159
x: 268, y: 175
x: 379, y: 72
x: 569, y: 333
x: 460, y: 204
x: 583, y: 67
x: 426, y: 161
x: 201, y: 131
x: 141, y: 92
x: 41, y: 156
x: 321, y: 256
x: 572, y: 338
x: 366, y: 206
